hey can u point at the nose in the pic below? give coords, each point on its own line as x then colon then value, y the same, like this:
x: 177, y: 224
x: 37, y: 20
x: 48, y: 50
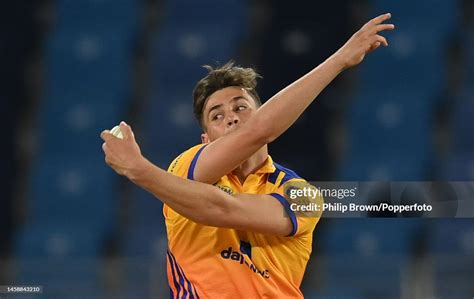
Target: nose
x: 232, y: 120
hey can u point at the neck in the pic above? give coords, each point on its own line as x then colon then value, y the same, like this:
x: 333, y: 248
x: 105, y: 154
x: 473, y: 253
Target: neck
x: 252, y: 164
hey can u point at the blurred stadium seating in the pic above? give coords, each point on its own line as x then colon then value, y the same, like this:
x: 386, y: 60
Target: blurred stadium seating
x: 451, y: 257
x: 359, y: 252
x: 72, y: 203
x: 85, y: 229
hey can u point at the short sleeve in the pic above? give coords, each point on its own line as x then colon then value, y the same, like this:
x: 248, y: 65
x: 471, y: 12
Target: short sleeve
x: 183, y: 166
x: 303, y: 223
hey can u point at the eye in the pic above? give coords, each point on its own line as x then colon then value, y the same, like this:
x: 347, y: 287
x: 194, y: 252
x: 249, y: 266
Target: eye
x: 217, y: 116
x: 241, y: 107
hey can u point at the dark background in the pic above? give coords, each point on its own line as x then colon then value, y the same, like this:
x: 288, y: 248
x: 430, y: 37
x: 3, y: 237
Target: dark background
x: 71, y: 68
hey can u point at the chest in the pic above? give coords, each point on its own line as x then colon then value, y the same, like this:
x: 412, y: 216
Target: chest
x: 253, y: 184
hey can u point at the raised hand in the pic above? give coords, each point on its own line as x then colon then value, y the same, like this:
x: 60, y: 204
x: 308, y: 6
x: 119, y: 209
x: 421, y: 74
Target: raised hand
x: 366, y: 40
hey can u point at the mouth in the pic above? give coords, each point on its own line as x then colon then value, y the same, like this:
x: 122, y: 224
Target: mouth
x: 231, y: 129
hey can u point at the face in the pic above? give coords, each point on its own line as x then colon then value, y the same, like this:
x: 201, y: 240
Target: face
x: 226, y: 110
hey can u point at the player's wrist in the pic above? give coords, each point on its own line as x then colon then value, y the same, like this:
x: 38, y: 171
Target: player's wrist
x: 138, y: 169
x: 339, y: 61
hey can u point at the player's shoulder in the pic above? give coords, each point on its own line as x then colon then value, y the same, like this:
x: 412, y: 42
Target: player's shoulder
x: 182, y: 163
x: 282, y: 175
x: 283, y: 180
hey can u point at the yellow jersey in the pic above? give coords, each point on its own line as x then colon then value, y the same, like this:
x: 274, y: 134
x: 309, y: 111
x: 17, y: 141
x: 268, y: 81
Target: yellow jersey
x: 213, y: 262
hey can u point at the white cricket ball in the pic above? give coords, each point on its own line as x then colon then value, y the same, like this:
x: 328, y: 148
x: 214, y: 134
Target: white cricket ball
x: 116, y: 132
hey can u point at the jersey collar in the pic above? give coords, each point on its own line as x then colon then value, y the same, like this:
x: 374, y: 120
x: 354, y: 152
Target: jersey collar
x: 267, y: 166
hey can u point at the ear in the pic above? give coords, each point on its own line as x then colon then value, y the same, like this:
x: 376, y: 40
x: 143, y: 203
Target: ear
x: 204, y: 138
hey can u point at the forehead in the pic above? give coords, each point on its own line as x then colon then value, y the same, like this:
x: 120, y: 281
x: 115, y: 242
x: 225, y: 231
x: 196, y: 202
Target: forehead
x: 225, y: 95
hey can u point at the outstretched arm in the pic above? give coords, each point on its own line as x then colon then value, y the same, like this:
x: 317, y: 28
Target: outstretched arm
x: 199, y: 202
x: 284, y: 108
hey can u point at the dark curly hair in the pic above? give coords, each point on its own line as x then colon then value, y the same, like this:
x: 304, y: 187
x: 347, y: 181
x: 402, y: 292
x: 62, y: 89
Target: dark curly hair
x: 222, y: 77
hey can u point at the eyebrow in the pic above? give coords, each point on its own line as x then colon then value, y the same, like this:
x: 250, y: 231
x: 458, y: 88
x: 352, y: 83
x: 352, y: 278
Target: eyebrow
x: 234, y: 99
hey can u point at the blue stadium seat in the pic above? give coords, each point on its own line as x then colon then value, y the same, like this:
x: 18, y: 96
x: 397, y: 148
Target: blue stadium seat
x: 442, y: 17
x: 411, y: 62
x: 141, y: 241
x: 89, y: 60
x: 61, y: 277
x: 87, y: 85
x: 145, y: 235
x: 389, y: 122
x: 73, y: 125
x: 170, y: 127
x: 180, y: 52
x: 119, y: 15
x: 385, y: 70
x: 463, y: 126
x: 194, y: 34
x: 367, y: 256
x: 144, y: 243
x: 73, y: 200
x: 459, y: 168
x: 146, y: 211
x: 451, y: 251
x: 387, y: 136
x: 383, y: 168
x: 229, y: 12
x: 152, y: 271
x: 68, y: 189
x: 415, y: 56
x: 59, y: 241
x: 370, y: 236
